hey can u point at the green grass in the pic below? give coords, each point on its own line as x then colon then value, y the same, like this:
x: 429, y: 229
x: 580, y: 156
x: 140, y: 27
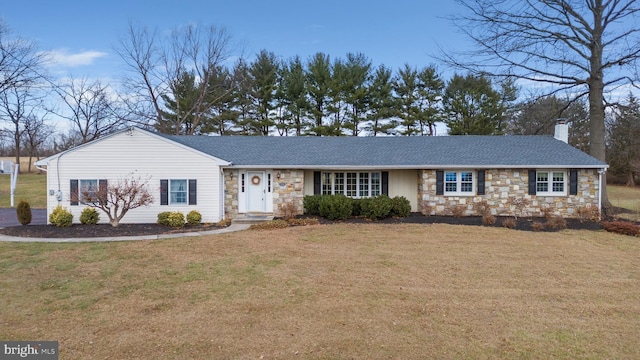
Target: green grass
x: 29, y: 187
x: 627, y: 198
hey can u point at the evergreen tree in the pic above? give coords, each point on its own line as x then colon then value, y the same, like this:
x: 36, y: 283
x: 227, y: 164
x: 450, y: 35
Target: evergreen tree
x: 405, y: 87
x: 336, y: 107
x: 179, y: 117
x: 430, y: 87
x: 382, y: 103
x: 263, y: 72
x: 357, y: 71
x: 293, y: 94
x: 474, y: 107
x: 242, y: 105
x: 318, y: 82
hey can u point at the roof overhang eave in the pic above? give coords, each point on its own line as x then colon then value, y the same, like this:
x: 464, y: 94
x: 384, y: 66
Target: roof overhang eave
x: 411, y: 167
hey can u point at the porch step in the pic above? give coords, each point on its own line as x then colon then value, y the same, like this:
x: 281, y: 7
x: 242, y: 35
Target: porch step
x: 251, y: 218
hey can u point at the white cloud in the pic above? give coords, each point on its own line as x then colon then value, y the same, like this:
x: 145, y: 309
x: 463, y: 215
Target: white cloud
x: 64, y: 58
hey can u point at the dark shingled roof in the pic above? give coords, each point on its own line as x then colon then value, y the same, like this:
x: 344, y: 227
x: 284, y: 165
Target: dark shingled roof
x: 391, y: 152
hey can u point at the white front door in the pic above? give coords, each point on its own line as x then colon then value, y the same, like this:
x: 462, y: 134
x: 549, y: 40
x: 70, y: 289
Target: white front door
x: 256, y: 192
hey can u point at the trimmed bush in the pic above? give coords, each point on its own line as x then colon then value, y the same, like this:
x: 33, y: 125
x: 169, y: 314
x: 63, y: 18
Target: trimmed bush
x: 378, y: 207
x: 23, y: 211
x: 61, y: 217
x: 175, y: 219
x: 335, y: 207
x: 311, y: 204
x: 356, y: 207
x: 89, y: 216
x: 400, y: 206
x: 194, y: 217
x: 163, y: 218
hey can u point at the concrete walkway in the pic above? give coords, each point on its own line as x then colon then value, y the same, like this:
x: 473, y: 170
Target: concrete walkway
x: 8, y: 217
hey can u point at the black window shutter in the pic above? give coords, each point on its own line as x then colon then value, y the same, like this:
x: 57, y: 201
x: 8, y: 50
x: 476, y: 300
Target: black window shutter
x: 317, y: 182
x: 193, y: 192
x: 573, y: 182
x: 480, y: 182
x: 532, y: 182
x: 102, y: 185
x: 439, y: 182
x: 385, y: 183
x: 73, y: 192
x: 164, y: 192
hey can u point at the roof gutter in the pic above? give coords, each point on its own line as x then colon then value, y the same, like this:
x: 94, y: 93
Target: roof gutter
x: 411, y: 167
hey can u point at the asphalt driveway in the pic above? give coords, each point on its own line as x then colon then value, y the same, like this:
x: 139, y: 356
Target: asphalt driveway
x: 8, y: 217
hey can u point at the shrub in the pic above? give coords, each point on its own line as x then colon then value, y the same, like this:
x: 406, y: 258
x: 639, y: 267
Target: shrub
x: 519, y: 206
x: 588, y: 213
x: 400, y: 206
x: 482, y: 208
x: 547, y: 212
x: 335, y: 207
x: 458, y: 211
x: 289, y: 209
x: 489, y: 219
x: 537, y: 226
x: 509, y: 223
x: 311, y: 204
x: 23, y: 211
x: 622, y: 227
x: 61, y: 217
x: 194, y: 217
x: 173, y: 219
x: 163, y: 218
x: 356, y: 207
x: 89, y: 216
x: 556, y: 222
x: 375, y: 208
x: 176, y: 219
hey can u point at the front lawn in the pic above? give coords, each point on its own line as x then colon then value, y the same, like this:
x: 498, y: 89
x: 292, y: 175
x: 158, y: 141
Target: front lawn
x: 331, y: 291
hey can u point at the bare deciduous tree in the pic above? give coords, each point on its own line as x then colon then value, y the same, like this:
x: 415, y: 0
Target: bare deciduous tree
x: 18, y: 105
x: 158, y: 67
x: 117, y: 199
x: 91, y: 108
x: 582, y: 47
x: 20, y: 62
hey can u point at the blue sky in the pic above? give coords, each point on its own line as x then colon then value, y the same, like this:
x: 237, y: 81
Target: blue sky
x: 82, y: 34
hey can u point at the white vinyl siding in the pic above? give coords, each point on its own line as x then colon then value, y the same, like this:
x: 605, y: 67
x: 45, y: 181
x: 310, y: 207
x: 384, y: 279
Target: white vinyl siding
x: 139, y: 155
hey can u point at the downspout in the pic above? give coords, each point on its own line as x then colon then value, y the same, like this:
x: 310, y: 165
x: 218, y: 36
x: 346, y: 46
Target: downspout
x: 222, y: 194
x: 601, y: 172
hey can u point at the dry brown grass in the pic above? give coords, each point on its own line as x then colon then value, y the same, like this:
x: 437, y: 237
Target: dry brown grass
x: 330, y: 291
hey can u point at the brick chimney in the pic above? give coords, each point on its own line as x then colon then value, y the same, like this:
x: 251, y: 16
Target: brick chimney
x: 562, y: 130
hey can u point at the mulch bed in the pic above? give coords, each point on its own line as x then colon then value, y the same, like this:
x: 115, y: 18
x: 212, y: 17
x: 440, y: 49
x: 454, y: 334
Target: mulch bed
x: 105, y: 230
x: 100, y: 230
x: 521, y: 224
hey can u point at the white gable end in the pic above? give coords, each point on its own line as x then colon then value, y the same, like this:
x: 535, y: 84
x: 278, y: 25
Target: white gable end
x: 142, y: 154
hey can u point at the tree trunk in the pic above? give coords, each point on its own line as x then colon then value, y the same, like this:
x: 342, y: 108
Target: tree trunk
x: 597, y: 147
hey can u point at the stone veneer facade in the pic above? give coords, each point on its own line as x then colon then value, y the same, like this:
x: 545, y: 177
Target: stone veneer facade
x: 289, y: 187
x: 503, y: 184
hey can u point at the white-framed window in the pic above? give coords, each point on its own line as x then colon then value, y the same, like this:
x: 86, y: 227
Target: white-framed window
x: 352, y: 184
x: 178, y: 191
x: 88, y: 190
x: 459, y: 183
x: 551, y: 183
